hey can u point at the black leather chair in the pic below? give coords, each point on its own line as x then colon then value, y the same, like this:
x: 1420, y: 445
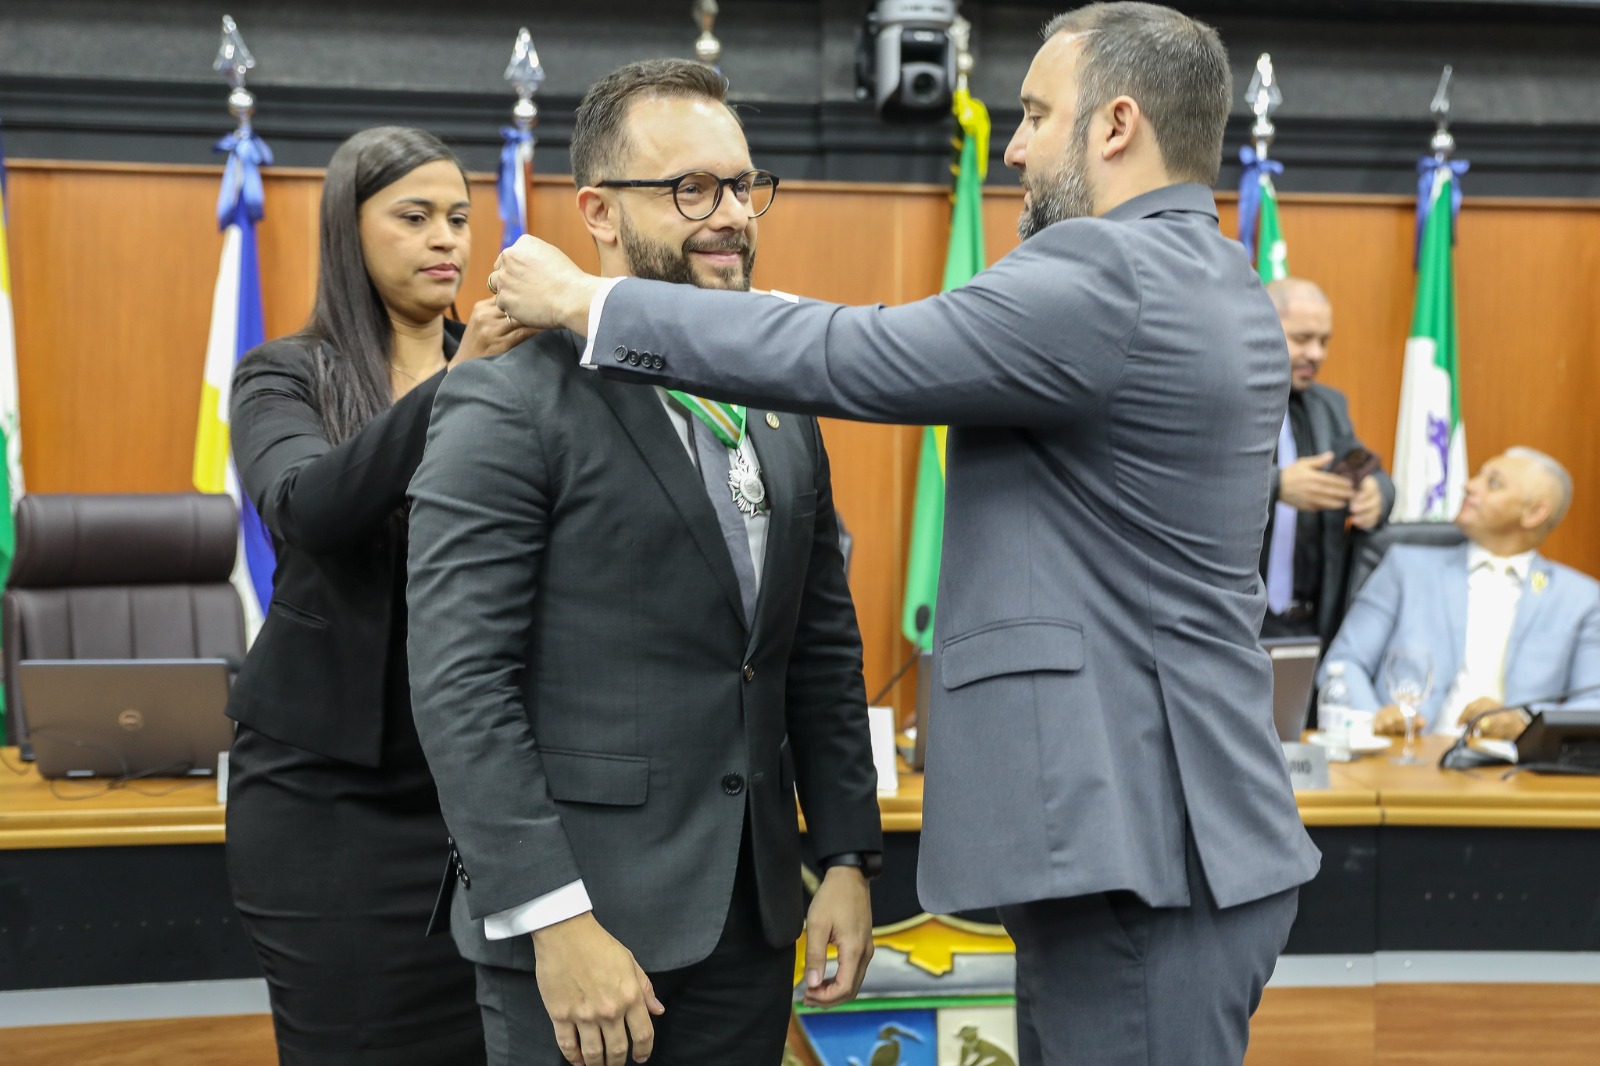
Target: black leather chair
x: 1369, y: 548
x: 120, y: 577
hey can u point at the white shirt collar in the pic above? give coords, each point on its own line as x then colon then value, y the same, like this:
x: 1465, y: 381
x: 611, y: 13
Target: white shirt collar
x: 1518, y: 564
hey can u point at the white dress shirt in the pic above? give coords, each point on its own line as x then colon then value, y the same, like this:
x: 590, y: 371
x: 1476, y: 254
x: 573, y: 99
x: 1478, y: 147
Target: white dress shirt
x: 1494, y: 588
x: 571, y: 900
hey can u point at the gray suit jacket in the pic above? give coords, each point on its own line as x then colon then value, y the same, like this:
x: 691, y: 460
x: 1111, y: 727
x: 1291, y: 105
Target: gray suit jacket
x: 1331, y: 430
x: 1114, y: 388
x: 589, y: 697
x: 1417, y: 600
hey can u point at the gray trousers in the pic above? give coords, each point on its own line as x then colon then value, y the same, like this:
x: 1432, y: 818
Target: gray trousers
x: 1105, y: 980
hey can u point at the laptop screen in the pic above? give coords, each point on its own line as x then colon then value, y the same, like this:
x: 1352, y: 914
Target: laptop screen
x: 126, y: 717
x: 1294, y: 676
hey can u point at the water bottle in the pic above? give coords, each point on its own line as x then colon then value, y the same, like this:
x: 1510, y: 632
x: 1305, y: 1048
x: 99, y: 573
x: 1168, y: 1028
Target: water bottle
x: 1334, y: 711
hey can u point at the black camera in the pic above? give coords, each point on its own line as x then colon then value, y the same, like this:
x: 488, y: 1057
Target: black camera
x: 906, y: 59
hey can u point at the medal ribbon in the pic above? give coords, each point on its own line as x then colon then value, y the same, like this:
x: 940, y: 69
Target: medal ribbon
x: 725, y: 419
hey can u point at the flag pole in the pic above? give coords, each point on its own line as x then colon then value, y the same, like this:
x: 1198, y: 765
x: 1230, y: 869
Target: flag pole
x: 707, y: 47
x: 1430, y: 449
x: 516, y: 151
x: 1259, y: 229
x: 237, y: 324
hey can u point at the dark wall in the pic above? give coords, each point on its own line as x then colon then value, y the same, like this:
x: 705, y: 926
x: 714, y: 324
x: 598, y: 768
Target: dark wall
x: 131, y: 80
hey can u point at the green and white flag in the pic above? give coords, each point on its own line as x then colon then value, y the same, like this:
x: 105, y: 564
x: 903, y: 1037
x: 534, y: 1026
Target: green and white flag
x: 1430, y: 446
x: 1272, y: 254
x: 963, y: 260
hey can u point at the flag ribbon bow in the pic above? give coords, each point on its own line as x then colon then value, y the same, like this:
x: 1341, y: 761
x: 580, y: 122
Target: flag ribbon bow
x: 1428, y: 168
x: 241, y: 178
x: 1250, y: 194
x: 516, y: 147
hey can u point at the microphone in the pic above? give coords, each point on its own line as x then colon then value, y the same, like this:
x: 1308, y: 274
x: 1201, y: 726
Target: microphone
x: 921, y: 619
x: 1459, y: 756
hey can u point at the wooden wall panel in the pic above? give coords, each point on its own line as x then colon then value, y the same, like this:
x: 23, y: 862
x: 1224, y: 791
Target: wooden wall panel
x: 114, y: 267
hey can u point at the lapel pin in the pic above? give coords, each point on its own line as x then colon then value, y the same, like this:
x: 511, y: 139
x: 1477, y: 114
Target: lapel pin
x: 772, y: 420
x: 1540, y: 581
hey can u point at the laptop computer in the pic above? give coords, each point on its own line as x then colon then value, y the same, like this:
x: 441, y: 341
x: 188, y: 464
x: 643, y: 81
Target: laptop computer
x: 1294, y: 676
x: 126, y: 717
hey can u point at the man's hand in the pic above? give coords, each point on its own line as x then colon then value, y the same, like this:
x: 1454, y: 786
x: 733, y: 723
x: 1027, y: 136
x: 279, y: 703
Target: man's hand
x: 538, y: 286
x: 1506, y: 725
x: 1390, y: 721
x: 841, y: 915
x: 1366, y: 510
x: 1306, y: 486
x: 489, y: 332
x: 597, y: 996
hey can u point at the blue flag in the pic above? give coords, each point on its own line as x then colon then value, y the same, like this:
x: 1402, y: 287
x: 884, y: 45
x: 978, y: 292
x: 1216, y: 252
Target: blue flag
x: 236, y: 327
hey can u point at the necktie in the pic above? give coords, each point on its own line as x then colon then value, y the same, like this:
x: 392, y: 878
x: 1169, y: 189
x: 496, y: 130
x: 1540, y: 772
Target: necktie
x: 712, y: 457
x: 1280, y: 554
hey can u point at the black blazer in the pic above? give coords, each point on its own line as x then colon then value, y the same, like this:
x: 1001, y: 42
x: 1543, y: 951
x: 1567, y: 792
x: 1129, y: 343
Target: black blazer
x: 314, y: 677
x: 1331, y: 431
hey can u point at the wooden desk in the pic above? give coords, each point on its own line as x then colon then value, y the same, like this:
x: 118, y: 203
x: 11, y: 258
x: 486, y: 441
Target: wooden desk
x: 35, y: 813
x: 1427, y: 796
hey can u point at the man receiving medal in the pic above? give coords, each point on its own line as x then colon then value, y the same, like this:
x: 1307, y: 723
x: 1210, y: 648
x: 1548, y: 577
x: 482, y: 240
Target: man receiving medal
x: 633, y: 643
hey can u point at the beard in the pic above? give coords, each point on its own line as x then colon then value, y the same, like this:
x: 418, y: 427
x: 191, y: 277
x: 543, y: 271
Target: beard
x: 658, y: 261
x: 1055, y: 196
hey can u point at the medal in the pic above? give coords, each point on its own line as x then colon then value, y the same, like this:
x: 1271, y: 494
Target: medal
x: 744, y: 481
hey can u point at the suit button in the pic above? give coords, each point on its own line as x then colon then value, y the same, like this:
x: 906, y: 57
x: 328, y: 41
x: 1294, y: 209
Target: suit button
x: 621, y: 353
x: 749, y: 672
x: 461, y: 875
x: 659, y: 363
x: 733, y: 784
x: 633, y: 357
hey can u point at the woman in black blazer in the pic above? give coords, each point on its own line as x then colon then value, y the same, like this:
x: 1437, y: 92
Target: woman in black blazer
x: 335, y: 842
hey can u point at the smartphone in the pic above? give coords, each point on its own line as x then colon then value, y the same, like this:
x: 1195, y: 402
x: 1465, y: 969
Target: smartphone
x: 1356, y: 464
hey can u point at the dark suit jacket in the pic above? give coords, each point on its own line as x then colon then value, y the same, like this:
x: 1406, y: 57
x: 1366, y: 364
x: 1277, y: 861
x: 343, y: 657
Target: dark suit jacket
x: 590, y: 699
x: 314, y: 677
x: 1331, y: 431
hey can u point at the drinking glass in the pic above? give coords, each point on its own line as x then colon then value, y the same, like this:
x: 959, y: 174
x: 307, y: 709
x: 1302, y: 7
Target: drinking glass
x: 1408, y: 675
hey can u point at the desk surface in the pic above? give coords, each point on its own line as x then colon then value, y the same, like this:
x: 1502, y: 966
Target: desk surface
x: 35, y: 813
x: 1426, y: 795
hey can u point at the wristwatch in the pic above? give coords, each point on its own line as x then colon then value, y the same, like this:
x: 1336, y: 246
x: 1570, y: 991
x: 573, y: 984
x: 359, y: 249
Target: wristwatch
x: 870, y: 863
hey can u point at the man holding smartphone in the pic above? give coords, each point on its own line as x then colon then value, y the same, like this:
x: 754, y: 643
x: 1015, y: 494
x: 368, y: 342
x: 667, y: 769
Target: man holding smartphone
x: 1326, y: 481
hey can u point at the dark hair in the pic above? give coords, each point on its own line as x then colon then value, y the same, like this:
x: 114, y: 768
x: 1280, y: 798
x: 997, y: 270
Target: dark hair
x: 599, y: 138
x: 1174, y: 66
x: 349, y: 330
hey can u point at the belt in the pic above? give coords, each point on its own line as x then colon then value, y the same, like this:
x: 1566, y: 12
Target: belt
x: 1297, y: 611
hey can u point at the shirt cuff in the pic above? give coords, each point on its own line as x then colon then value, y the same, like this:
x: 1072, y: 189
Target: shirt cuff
x: 595, y: 307
x: 568, y: 901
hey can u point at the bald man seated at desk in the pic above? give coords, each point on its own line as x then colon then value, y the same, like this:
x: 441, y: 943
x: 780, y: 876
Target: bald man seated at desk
x: 1500, y: 623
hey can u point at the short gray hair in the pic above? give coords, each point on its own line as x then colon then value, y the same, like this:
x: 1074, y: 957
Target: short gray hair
x: 1285, y: 291
x: 1556, y: 474
x: 1174, y: 66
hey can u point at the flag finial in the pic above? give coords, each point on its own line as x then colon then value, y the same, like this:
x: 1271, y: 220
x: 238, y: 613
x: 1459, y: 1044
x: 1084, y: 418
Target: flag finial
x: 1264, y: 98
x: 525, y: 75
x: 707, y: 48
x: 234, y: 62
x: 1443, y: 144
x: 961, y: 37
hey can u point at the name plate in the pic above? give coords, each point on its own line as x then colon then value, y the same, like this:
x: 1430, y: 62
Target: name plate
x: 1308, y: 767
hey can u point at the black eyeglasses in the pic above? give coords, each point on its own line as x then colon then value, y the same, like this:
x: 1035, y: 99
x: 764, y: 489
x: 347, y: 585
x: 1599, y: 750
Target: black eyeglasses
x: 698, y: 194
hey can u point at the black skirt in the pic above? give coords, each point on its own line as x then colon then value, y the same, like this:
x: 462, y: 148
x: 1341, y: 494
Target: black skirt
x: 335, y: 868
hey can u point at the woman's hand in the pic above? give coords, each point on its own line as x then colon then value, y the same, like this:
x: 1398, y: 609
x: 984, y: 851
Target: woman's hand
x: 489, y: 332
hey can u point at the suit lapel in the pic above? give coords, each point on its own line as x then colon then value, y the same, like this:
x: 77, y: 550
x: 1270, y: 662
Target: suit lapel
x: 643, y: 418
x: 1529, y: 605
x: 774, y: 448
